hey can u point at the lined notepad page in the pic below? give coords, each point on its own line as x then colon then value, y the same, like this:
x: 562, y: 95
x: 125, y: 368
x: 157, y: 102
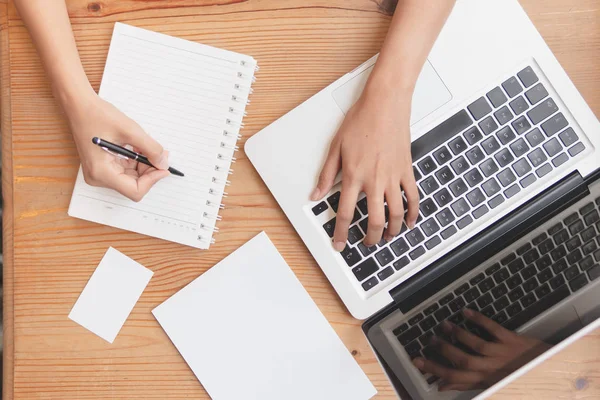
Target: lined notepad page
x: 189, y: 97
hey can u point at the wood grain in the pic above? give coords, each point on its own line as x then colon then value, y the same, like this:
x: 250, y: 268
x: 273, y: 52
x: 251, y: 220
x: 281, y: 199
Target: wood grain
x: 301, y: 45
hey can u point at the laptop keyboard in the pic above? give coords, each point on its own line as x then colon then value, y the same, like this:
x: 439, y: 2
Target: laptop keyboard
x: 535, y: 276
x: 468, y: 165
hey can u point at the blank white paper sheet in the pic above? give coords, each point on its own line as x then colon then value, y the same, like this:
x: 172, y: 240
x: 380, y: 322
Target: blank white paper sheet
x: 249, y: 330
x: 110, y: 294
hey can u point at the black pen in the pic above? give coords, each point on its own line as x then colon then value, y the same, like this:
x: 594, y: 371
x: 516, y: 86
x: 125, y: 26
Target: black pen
x: 131, y: 155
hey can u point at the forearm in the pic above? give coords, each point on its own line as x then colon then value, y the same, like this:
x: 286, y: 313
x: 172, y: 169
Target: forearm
x: 414, y: 28
x: 49, y: 26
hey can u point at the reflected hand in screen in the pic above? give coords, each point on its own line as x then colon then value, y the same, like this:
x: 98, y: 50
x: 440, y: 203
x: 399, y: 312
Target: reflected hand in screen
x: 479, y: 363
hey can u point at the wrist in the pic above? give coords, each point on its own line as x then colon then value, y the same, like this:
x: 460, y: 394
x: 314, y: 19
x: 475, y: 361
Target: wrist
x: 387, y: 90
x: 75, y: 97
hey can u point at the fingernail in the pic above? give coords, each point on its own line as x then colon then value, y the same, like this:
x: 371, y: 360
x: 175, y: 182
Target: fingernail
x: 419, y: 363
x: 339, y: 246
x: 315, y: 194
x: 468, y: 313
x: 163, y: 163
x: 388, y: 238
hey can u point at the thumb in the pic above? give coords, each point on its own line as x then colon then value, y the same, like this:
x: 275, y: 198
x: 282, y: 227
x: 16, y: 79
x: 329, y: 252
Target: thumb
x: 328, y: 173
x: 134, y: 135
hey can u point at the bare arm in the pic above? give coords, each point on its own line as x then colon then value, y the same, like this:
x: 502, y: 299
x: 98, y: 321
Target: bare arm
x: 88, y: 115
x: 372, y: 146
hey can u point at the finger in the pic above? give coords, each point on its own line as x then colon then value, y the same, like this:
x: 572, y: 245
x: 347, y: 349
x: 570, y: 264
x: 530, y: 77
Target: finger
x: 345, y: 213
x: 134, y: 135
x: 328, y: 173
x: 412, y: 197
x: 393, y: 195
x: 449, y: 375
x: 136, y: 189
x: 498, y: 331
x: 376, y: 210
x: 459, y: 358
x: 462, y: 387
x: 472, y: 341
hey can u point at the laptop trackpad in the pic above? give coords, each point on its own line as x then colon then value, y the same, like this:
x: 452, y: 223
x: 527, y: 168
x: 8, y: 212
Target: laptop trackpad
x: 430, y: 92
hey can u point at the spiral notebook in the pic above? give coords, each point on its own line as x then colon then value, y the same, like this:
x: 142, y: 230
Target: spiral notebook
x: 192, y: 99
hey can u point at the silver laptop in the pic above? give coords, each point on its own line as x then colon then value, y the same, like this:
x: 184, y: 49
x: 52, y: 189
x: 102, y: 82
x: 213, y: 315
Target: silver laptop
x: 500, y: 134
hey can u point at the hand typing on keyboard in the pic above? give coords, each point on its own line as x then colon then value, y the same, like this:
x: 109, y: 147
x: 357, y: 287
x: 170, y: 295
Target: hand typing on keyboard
x: 479, y: 363
x: 373, y: 145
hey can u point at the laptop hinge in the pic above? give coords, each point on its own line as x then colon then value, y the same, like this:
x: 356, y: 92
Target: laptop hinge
x: 518, y: 223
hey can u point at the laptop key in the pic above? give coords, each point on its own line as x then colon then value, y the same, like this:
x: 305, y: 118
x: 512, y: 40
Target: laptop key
x: 457, y: 146
x: 544, y: 275
x: 578, y: 148
x: 415, y: 237
x: 355, y: 235
x: 366, y: 251
x: 536, y: 94
x: 504, y: 157
x: 449, y: 232
x: 559, y: 266
x: 401, y: 263
x: 543, y: 262
x: 556, y: 281
x: 410, y: 335
x: 591, y: 218
x: 427, y: 323
x: 429, y: 185
x: 578, y: 282
x: 471, y: 294
x: 519, y: 148
x: 516, y: 265
x: 568, y: 137
x: 488, y: 125
x: 489, y: 271
x: 501, y: 275
x: 413, y: 349
x: 427, y: 165
x: 461, y: 289
x: 401, y: 329
x: 490, y: 145
x: 444, y: 175
x: 527, y: 300
x: 513, y: 309
x: 425, y: 338
x: 473, y: 135
x: 432, y: 353
x: 519, y: 105
x: 475, y: 155
x: 574, y: 257
x: 586, y: 263
x: 542, y: 111
x: 460, y: 165
x: 480, y: 212
x: 589, y: 247
x: 475, y: 197
x: 499, y: 290
x: 458, y: 187
x: 433, y: 242
x: 524, y: 249
x: 503, y: 115
x: 571, y: 272
x: 442, y: 313
x: 512, y: 86
x: 576, y: 227
x: 528, y: 181
x: 537, y: 157
x: 506, y: 177
x: 486, y: 284
x: 594, y: 273
x: 330, y: 227
x: 552, y: 147
x: 521, y: 125
x: 512, y: 191
x: 531, y: 256
x: 446, y: 299
x: 488, y: 311
x: 351, y: 256
x: 370, y: 284
x: 479, y: 108
x: 506, y: 135
x: 528, y: 77
x: 510, y: 257
x: 399, y: 247
x: 485, y: 300
x: 501, y: 303
x: 365, y: 269
x: 464, y: 222
x: 516, y: 294
x: 384, y: 257
x: 386, y: 273
x: 554, y: 124
x: 443, y: 197
x: 473, y: 177
x: 476, y: 279
x: 416, y: 253
x: 320, y: 208
x: 500, y: 318
x: 445, y: 217
x: 457, y: 304
x: 442, y: 155
x: 560, y: 159
x: 530, y: 285
x: 521, y: 167
x: 488, y: 167
x: 543, y: 170
x: 514, y: 281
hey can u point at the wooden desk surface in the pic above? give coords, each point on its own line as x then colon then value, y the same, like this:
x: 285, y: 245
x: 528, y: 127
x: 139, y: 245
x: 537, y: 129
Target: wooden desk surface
x: 301, y: 45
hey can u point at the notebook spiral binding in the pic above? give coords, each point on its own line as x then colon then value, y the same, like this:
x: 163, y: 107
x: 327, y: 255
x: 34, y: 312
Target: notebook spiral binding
x: 242, y: 89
